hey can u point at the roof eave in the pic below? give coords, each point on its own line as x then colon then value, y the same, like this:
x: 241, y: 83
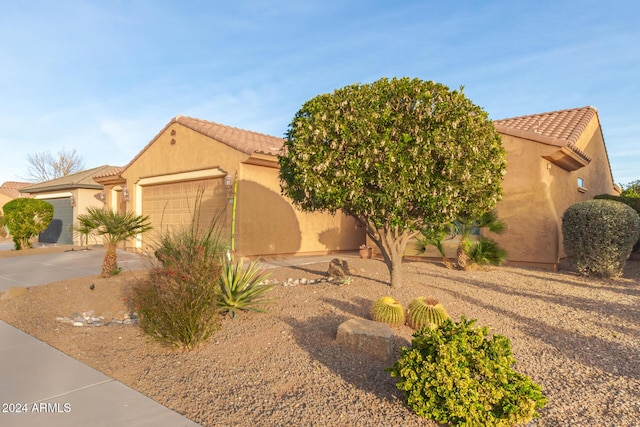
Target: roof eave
x: 65, y: 187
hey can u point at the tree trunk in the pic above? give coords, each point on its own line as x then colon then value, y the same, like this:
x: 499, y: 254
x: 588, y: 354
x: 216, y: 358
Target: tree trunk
x: 110, y: 263
x: 392, y: 242
x: 462, y: 257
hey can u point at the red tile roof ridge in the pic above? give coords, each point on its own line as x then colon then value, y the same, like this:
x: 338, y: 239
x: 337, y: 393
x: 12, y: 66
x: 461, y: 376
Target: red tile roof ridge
x: 560, y: 128
x: 246, y: 141
x: 115, y: 170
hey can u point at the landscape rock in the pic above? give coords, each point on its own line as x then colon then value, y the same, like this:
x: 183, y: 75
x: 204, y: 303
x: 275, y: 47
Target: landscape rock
x: 338, y: 269
x: 374, y: 338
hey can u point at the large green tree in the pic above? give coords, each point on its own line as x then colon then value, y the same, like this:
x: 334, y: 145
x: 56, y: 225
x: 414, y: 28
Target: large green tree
x: 396, y: 155
x: 114, y: 227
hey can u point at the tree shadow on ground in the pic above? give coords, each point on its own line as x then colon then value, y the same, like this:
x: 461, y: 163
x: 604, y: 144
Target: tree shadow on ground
x: 364, y: 371
x: 602, y: 354
x: 320, y: 269
x: 622, y: 311
x: 359, y: 307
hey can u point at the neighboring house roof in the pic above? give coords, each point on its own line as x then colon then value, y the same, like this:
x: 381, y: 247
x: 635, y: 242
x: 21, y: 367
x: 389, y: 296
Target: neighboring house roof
x: 82, y: 179
x: 12, y: 189
x: 560, y: 128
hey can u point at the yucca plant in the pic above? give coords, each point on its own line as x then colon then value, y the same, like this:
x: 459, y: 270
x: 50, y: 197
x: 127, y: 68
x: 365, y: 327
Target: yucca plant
x: 424, y: 311
x: 388, y: 310
x: 242, y: 287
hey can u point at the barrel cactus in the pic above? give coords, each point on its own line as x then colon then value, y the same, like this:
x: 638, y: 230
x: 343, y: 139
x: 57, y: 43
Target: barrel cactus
x: 424, y: 311
x: 388, y: 310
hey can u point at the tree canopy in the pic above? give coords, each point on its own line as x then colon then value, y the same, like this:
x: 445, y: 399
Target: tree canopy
x: 395, y: 154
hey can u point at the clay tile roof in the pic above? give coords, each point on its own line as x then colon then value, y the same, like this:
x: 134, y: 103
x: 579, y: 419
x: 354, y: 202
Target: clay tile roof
x: 12, y: 188
x: 114, y: 171
x: 83, y: 179
x: 246, y: 141
x: 560, y: 128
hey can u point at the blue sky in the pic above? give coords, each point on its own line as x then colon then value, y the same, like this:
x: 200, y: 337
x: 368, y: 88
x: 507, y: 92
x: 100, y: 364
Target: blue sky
x: 104, y: 77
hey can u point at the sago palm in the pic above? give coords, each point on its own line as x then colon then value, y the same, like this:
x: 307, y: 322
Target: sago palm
x: 114, y: 227
x: 465, y: 227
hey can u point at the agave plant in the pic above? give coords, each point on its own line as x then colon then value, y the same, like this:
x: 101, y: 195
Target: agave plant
x: 388, y: 310
x: 424, y: 311
x: 242, y: 287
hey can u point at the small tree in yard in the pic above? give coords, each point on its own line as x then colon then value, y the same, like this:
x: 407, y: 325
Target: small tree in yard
x: 396, y: 155
x: 115, y: 227
x: 26, y: 218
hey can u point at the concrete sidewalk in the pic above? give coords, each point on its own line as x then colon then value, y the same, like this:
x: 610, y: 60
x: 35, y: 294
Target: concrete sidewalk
x: 40, y: 385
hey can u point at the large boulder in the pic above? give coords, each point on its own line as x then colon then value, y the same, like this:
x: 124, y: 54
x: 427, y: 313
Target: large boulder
x: 371, y: 337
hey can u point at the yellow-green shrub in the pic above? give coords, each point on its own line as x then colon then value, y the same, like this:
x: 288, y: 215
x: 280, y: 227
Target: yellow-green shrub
x: 456, y: 374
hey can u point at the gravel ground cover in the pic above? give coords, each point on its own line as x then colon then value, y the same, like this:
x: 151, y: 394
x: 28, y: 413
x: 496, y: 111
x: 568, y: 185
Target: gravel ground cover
x: 577, y: 337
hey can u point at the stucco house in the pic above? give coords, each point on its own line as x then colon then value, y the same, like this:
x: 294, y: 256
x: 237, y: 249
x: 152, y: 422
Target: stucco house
x: 554, y: 160
x: 234, y: 173
x: 70, y: 196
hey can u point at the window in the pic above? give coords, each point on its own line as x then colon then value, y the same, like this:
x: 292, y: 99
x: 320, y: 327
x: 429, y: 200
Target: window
x: 581, y: 187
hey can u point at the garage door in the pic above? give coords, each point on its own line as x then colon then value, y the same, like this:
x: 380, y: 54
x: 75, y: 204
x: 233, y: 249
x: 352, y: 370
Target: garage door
x: 60, y: 230
x: 172, y: 205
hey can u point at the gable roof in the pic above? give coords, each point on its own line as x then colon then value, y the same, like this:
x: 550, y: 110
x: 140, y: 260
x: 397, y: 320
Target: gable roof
x: 557, y: 128
x: 560, y: 128
x: 83, y: 179
x: 246, y: 141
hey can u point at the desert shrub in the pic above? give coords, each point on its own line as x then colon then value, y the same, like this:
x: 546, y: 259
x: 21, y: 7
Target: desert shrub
x: 485, y: 251
x: 242, y: 287
x: 599, y: 236
x: 632, y: 201
x: 388, y: 310
x: 25, y: 219
x: 425, y: 312
x: 177, y: 301
x: 456, y: 374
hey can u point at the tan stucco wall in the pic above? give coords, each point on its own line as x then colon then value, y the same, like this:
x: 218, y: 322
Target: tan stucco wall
x: 85, y: 198
x: 266, y: 223
x: 537, y: 192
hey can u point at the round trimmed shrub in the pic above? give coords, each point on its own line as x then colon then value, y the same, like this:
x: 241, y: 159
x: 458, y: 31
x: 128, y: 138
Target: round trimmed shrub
x: 26, y: 218
x: 388, y: 310
x: 599, y: 236
x: 456, y: 375
x: 424, y: 311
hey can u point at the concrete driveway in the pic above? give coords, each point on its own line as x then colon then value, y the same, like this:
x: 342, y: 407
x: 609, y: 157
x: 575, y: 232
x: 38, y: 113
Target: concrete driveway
x: 40, y: 385
x: 39, y: 269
